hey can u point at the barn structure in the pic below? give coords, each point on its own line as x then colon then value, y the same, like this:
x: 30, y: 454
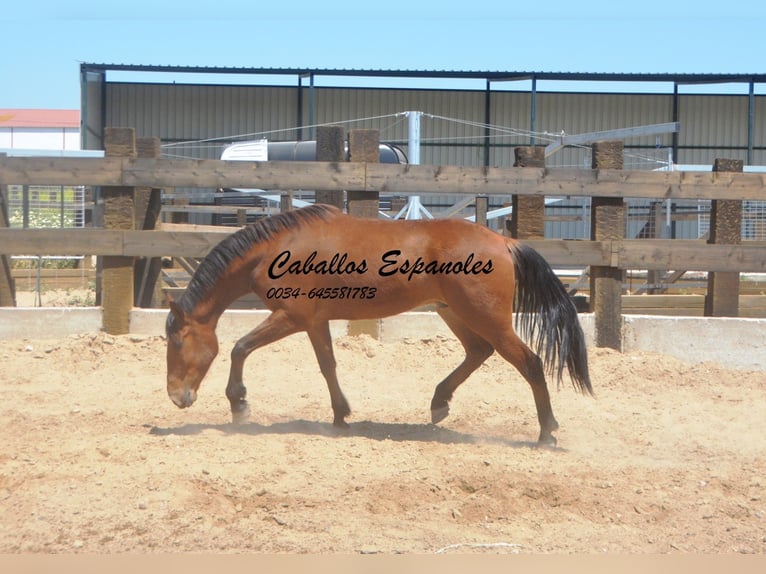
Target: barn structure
x: 50, y: 130
x: 473, y: 116
x: 470, y: 118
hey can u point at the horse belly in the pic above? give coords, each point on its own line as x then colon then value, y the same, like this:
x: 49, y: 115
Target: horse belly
x: 387, y: 300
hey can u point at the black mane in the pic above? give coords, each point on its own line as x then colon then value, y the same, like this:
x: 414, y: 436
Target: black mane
x: 236, y: 245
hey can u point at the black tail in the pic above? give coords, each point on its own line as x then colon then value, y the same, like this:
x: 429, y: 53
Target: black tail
x: 547, y: 317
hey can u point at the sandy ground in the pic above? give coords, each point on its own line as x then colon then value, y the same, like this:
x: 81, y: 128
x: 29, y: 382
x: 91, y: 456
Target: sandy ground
x: 669, y: 458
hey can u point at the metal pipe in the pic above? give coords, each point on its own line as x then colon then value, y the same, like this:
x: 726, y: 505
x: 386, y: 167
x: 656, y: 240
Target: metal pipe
x: 487, y: 120
x: 675, y: 119
x: 750, y: 122
x: 414, y: 209
x: 299, y: 110
x: 413, y: 135
x: 533, y: 111
x: 311, y: 107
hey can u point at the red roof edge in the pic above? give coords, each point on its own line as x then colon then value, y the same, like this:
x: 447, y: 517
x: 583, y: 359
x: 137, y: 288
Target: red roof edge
x: 14, y: 118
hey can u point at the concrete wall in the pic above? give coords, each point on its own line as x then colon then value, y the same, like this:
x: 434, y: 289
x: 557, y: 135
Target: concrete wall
x: 733, y: 343
x: 48, y: 322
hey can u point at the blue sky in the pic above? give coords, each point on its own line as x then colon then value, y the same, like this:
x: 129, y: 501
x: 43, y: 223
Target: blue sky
x: 43, y: 42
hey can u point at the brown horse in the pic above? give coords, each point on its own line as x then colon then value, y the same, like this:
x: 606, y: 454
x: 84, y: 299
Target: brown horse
x: 316, y: 264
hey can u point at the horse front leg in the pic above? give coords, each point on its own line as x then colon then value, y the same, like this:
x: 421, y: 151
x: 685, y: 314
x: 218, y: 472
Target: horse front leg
x: 236, y: 391
x: 274, y: 327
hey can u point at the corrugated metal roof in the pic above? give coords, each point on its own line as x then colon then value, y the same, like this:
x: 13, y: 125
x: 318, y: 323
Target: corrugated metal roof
x: 10, y: 118
x: 498, y: 75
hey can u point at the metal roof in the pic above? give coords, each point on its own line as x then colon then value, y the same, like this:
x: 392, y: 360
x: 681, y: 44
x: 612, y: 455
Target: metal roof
x: 678, y: 78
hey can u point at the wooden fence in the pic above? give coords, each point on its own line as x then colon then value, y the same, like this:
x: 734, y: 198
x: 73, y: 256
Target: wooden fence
x: 132, y: 174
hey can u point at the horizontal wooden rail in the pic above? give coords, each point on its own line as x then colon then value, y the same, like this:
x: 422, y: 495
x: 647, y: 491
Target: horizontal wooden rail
x: 107, y: 242
x: 220, y: 209
x: 382, y: 178
x: 692, y: 255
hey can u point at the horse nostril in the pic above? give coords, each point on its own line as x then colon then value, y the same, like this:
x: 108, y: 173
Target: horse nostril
x: 188, y: 399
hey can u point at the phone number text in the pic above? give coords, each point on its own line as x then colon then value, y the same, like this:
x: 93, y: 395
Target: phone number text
x: 322, y: 293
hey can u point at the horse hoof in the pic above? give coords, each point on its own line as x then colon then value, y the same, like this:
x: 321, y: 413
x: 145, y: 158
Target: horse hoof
x: 340, y: 425
x: 241, y: 415
x: 548, y: 441
x: 438, y: 415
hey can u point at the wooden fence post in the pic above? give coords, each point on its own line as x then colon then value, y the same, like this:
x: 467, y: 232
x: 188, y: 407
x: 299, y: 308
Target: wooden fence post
x: 179, y: 216
x: 607, y: 224
x: 331, y: 146
x: 528, y: 217
x: 119, y: 213
x: 148, y: 207
x: 364, y: 146
x: 722, y: 298
x: 7, y: 287
x: 654, y: 230
x: 482, y: 206
x: 285, y: 202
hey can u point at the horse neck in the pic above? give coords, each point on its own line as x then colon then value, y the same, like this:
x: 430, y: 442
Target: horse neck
x: 228, y: 288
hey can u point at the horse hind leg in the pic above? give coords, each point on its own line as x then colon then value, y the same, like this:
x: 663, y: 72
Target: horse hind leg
x: 321, y: 340
x: 477, y: 350
x: 516, y: 352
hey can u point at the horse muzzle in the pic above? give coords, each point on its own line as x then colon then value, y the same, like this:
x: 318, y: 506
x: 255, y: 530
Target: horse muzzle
x: 183, y: 399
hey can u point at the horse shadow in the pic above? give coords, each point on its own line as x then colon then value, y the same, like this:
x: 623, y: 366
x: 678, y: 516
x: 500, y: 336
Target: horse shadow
x: 378, y: 431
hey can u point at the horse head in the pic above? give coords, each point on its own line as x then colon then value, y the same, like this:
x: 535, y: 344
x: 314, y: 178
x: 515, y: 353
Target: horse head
x: 192, y: 346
